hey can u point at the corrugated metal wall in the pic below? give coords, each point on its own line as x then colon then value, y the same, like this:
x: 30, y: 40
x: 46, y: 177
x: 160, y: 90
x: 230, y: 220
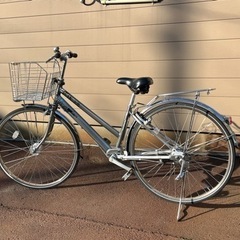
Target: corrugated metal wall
x: 182, y: 45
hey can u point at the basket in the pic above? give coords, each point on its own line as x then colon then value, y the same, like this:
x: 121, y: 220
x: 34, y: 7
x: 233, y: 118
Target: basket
x: 33, y: 81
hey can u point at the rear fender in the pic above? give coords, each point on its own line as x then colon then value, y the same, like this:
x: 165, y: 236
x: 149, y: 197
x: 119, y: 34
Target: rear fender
x: 201, y: 105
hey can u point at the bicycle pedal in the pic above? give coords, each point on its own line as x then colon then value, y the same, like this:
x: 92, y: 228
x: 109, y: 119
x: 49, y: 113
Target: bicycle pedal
x: 127, y: 175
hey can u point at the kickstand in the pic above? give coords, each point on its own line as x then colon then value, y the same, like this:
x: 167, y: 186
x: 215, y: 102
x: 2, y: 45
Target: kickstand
x: 180, y: 200
x: 179, y: 210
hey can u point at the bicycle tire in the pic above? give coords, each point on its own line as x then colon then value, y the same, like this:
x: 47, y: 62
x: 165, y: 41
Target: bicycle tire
x: 207, y: 148
x: 52, y: 163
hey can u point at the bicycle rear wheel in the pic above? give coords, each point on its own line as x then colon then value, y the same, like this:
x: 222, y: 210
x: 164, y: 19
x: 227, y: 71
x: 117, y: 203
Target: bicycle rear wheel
x: 196, y: 164
x: 55, y: 159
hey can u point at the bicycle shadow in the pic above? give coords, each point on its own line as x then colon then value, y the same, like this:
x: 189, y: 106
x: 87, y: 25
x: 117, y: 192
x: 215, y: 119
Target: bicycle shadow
x: 226, y: 199
x: 93, y: 174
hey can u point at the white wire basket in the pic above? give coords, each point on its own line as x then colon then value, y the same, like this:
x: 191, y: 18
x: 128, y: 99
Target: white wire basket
x: 33, y: 81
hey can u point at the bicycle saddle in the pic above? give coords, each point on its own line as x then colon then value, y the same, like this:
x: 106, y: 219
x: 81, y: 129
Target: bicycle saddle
x: 137, y: 85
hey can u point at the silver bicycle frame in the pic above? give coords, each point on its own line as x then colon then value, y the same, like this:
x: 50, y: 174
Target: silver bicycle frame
x: 87, y: 127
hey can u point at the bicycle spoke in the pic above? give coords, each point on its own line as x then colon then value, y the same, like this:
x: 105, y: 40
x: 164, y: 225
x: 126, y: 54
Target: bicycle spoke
x: 198, y: 162
x: 31, y: 164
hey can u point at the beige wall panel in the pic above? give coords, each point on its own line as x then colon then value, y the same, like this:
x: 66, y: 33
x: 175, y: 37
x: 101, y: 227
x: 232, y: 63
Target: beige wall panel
x: 225, y: 87
x: 225, y: 106
x: 89, y: 79
x: 6, y: 109
x: 108, y: 102
x: 205, y: 50
x: 165, y: 12
x: 164, y: 69
x: 5, y: 84
x: 196, y: 31
x: 179, y: 76
x: 174, y: 69
x: 194, y: 50
x: 183, y: 45
x: 39, y: 7
x: 6, y: 99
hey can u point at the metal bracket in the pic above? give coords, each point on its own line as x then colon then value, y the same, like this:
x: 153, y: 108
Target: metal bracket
x: 113, y: 160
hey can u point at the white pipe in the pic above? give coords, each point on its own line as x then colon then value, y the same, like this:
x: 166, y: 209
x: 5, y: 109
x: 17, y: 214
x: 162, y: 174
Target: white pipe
x: 108, y: 2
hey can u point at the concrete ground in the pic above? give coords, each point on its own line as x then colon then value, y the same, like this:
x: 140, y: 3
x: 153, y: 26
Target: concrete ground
x: 96, y: 204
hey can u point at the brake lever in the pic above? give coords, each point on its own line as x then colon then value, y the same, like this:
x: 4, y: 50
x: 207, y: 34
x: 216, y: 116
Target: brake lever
x: 56, y: 55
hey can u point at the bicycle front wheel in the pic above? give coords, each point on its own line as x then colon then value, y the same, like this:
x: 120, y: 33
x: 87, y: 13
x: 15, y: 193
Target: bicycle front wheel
x: 195, y: 149
x: 21, y: 131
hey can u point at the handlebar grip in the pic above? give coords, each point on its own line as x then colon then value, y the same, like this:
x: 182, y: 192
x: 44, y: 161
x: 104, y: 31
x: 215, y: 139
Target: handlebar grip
x: 74, y: 55
x: 70, y: 54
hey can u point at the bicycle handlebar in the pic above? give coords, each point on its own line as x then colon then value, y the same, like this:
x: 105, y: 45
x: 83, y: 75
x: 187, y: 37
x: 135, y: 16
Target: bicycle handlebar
x: 62, y: 56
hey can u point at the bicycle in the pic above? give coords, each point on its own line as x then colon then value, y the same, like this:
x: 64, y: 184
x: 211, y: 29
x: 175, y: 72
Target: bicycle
x: 181, y: 149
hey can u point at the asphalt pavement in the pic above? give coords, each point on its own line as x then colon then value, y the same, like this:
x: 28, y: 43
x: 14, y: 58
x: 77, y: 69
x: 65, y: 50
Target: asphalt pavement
x: 96, y: 204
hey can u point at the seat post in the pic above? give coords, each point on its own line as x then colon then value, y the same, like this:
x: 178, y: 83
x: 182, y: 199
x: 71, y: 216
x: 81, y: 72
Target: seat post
x: 126, y: 120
